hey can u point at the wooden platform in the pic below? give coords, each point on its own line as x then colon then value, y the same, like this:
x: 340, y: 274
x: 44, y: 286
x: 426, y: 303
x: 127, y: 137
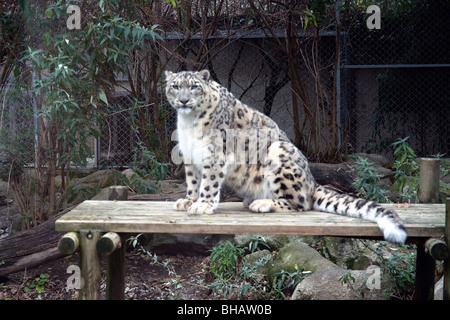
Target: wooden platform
x: 421, y: 220
x: 87, y: 224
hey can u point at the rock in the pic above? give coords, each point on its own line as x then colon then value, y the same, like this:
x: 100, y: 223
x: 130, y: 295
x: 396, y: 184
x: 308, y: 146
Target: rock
x: 89, y: 186
x: 341, y: 284
x: 128, y: 173
x: 263, y: 257
x: 301, y: 255
x: 377, y: 159
x: 165, y: 186
x: 347, y: 253
x: 275, y: 242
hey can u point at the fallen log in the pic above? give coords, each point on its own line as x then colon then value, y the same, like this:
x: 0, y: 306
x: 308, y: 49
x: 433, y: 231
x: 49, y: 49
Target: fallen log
x: 340, y: 176
x: 30, y: 248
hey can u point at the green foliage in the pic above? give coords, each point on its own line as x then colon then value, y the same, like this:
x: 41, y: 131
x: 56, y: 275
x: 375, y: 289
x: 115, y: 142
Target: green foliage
x: 71, y: 77
x: 38, y: 283
x: 224, y: 259
x: 406, y: 171
x: 235, y: 277
x: 144, y: 166
x: 284, y: 281
x: 400, y: 266
x: 367, y: 182
x: 256, y: 243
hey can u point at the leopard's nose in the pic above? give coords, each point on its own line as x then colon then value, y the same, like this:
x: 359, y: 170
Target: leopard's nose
x: 184, y: 101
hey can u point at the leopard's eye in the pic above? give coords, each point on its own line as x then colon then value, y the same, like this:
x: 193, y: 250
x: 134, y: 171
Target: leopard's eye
x: 175, y: 87
x: 194, y: 87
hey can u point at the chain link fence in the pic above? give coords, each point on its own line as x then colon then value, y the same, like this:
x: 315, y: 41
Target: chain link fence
x: 386, y: 84
x: 395, y: 79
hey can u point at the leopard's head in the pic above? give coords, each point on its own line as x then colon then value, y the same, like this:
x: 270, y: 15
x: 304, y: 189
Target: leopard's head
x: 186, y: 91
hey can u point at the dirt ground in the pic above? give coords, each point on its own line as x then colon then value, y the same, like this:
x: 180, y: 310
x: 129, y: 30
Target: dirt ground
x: 144, y: 280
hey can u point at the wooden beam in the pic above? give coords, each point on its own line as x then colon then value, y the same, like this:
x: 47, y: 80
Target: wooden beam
x: 437, y: 249
x: 108, y: 243
x: 429, y: 180
x: 89, y: 265
x: 69, y: 243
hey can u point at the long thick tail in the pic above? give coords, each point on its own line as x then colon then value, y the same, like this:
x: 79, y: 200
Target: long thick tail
x: 328, y: 200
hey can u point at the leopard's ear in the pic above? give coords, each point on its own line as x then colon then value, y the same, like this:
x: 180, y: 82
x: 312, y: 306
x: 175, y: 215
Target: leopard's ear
x: 169, y: 75
x: 204, y: 75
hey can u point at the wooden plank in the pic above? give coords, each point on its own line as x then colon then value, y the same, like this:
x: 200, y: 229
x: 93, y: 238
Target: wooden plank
x: 421, y: 220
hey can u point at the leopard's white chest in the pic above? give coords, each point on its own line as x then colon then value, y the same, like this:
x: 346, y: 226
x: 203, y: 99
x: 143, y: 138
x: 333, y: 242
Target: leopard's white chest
x: 190, y: 139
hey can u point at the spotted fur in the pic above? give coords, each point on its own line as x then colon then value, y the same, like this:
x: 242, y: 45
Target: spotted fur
x: 208, y: 122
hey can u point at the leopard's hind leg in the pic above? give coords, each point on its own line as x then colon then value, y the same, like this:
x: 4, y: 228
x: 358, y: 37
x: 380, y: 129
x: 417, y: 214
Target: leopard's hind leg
x: 288, y: 183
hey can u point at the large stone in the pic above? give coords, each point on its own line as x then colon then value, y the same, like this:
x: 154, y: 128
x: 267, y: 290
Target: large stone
x: 377, y: 159
x: 275, y: 242
x: 89, y: 186
x: 298, y: 255
x: 341, y: 284
x: 262, y: 259
x: 347, y: 253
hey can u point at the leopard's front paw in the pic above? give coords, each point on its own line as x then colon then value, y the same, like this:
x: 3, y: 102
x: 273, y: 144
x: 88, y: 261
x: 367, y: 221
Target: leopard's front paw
x: 261, y: 206
x: 183, y: 204
x: 201, y: 208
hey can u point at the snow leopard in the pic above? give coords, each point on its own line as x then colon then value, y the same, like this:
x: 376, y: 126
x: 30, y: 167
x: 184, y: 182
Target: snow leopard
x: 210, y: 121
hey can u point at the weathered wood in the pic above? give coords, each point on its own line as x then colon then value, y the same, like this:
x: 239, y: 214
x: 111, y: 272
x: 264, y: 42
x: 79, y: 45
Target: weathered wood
x: 89, y: 265
x: 437, y: 249
x: 115, y: 271
x: 425, y: 269
x: 17, y: 254
x: 69, y: 243
x: 118, y: 193
x: 421, y: 220
x: 108, y: 243
x: 446, y: 294
x: 31, y: 260
x: 340, y: 176
x: 429, y: 180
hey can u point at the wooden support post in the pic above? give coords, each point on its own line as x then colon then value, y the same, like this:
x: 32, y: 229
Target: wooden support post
x: 447, y: 261
x: 429, y: 180
x: 69, y: 243
x: 425, y: 268
x: 425, y: 264
x: 89, y: 265
x: 115, y: 273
